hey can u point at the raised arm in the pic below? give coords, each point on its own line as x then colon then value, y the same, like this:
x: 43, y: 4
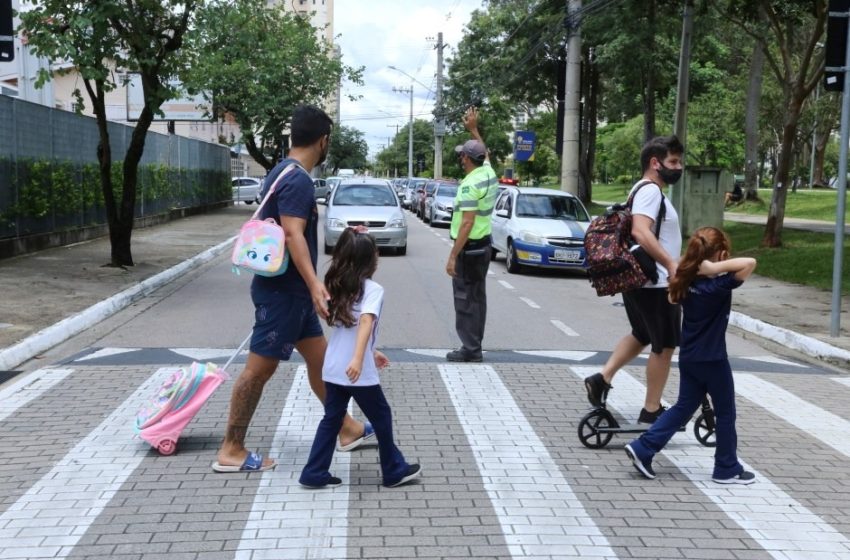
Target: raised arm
x: 741, y: 267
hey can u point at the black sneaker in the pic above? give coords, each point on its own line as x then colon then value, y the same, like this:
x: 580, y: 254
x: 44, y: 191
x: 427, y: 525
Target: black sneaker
x: 597, y: 389
x: 462, y: 356
x: 332, y: 482
x: 647, y: 417
x: 746, y: 477
x: 413, y: 471
x: 644, y: 468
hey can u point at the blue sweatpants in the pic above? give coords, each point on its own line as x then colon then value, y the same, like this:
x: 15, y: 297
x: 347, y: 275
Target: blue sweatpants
x: 695, y: 380
x: 374, y: 405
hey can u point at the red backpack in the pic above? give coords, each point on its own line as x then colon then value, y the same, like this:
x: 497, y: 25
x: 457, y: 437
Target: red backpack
x: 615, y: 263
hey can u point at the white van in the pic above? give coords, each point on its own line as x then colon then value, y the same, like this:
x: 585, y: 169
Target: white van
x: 345, y: 173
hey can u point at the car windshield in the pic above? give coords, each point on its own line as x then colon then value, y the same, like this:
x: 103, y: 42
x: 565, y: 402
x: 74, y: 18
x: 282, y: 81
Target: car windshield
x: 447, y: 191
x: 547, y: 206
x: 363, y: 195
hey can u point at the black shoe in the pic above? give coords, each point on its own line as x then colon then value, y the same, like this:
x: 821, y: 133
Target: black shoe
x: 332, y: 482
x: 597, y: 389
x: 644, y: 468
x: 413, y: 471
x: 746, y: 477
x: 462, y: 356
x: 647, y: 417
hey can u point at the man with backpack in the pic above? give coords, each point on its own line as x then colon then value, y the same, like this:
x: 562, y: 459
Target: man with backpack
x: 654, y: 320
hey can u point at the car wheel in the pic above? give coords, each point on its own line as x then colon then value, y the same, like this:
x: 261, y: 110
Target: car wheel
x: 431, y: 220
x: 249, y: 202
x: 493, y: 253
x: 328, y: 249
x: 510, y: 259
x: 401, y: 250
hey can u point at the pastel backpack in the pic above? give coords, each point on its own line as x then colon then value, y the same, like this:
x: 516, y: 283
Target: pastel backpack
x: 260, y: 246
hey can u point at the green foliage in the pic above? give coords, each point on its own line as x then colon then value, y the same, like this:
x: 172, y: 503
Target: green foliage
x: 348, y: 149
x: 271, y: 62
x: 618, y: 150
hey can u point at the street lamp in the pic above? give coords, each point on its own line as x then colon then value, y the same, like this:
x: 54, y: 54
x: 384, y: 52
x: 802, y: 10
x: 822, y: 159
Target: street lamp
x: 410, y: 131
x: 439, y: 126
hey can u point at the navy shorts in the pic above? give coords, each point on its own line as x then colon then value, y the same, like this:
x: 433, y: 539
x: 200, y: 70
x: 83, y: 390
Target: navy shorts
x: 280, y: 320
x: 654, y: 320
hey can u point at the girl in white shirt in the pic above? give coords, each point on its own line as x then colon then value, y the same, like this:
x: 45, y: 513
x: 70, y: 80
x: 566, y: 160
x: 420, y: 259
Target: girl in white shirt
x: 352, y: 363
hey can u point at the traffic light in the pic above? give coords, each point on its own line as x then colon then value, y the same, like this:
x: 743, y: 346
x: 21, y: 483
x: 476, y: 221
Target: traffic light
x: 836, y: 45
x: 7, y: 45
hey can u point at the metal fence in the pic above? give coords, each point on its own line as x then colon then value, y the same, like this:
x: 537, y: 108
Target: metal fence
x: 49, y: 173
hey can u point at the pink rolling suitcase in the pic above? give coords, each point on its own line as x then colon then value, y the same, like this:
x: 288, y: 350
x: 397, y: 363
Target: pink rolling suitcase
x: 163, y: 417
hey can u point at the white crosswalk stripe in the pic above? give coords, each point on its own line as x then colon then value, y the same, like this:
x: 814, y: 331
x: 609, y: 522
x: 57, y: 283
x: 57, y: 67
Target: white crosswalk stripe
x: 286, y: 520
x: 31, y: 387
x: 71, y: 496
x: 789, y: 530
x: 530, y: 495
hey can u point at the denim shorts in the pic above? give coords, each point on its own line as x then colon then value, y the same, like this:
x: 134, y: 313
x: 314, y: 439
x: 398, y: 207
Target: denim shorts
x: 280, y: 320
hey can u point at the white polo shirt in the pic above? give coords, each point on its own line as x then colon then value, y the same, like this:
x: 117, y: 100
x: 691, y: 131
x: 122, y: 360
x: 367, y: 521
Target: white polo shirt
x: 344, y: 339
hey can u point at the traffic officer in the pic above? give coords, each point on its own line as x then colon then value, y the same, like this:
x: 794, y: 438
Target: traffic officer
x: 470, y: 254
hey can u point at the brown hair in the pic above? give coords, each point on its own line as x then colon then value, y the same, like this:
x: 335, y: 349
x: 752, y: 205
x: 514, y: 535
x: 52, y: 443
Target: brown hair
x: 705, y: 244
x: 355, y: 259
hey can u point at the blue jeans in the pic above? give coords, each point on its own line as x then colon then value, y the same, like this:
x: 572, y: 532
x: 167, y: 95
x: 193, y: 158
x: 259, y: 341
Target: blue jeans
x: 374, y: 405
x: 695, y: 380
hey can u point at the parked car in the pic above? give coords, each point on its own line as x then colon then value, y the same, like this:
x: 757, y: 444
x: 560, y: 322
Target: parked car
x: 246, y: 189
x: 539, y: 227
x: 424, y: 193
x: 321, y: 188
x: 439, y: 206
x: 368, y: 202
x: 411, y: 194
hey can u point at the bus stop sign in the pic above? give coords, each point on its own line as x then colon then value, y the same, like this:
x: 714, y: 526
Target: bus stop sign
x: 524, y: 141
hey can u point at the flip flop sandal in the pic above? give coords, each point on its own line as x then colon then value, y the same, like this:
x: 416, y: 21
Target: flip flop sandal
x: 253, y: 463
x: 368, y: 433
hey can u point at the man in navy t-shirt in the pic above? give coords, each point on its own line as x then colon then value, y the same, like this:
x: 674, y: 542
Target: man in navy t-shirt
x: 286, y: 307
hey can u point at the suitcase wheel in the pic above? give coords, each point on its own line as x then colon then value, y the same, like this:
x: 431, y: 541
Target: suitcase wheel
x: 167, y: 447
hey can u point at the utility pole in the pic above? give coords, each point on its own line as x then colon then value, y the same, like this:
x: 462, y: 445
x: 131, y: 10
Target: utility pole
x: 680, y: 125
x: 439, y: 121
x: 572, y: 98
x: 410, y: 127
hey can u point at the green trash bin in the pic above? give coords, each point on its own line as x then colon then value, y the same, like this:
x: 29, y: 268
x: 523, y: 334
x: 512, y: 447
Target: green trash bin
x: 699, y: 197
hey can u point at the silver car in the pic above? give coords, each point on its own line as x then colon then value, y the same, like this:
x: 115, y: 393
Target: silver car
x: 369, y: 202
x: 440, y: 205
x: 246, y: 189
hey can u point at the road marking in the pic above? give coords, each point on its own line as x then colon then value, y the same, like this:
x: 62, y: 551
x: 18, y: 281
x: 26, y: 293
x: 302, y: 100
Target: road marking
x: 106, y: 352
x: 30, y: 387
x: 773, y: 360
x: 785, y: 531
x: 572, y: 355
x: 816, y: 422
x: 564, y: 328
x: 674, y: 359
x: 842, y: 380
x: 506, y: 285
x: 537, y: 509
x: 204, y: 354
x: 433, y: 352
x: 76, y: 490
x: 286, y: 520
x: 530, y: 303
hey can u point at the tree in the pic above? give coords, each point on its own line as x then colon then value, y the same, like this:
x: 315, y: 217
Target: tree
x: 272, y: 63
x: 348, y: 149
x: 789, y: 32
x: 144, y: 38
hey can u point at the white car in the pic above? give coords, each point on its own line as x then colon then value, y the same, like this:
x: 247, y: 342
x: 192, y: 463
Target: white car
x: 369, y: 202
x: 539, y: 227
x: 246, y: 189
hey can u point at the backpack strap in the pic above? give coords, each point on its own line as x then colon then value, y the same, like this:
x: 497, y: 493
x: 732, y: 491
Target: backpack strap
x: 277, y: 181
x: 662, y: 209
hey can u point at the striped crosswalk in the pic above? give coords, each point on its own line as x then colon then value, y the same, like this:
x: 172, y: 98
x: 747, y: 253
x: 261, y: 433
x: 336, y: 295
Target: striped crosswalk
x: 529, y: 489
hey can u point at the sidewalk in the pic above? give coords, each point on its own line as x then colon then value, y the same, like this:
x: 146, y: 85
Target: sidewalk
x: 50, y: 295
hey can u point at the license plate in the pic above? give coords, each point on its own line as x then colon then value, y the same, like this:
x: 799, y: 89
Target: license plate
x: 564, y: 255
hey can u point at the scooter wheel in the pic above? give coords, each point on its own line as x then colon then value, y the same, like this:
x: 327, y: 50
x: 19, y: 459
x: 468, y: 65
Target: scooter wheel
x: 704, y: 432
x: 588, y: 428
x: 167, y: 447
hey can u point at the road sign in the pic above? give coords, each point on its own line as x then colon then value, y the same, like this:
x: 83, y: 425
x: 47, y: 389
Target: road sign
x: 836, y: 42
x: 7, y: 45
x: 524, y: 142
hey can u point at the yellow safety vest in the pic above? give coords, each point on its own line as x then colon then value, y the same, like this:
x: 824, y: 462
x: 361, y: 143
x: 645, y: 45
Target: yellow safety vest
x: 477, y: 192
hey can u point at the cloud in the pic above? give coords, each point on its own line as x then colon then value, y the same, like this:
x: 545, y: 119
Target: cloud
x: 380, y: 33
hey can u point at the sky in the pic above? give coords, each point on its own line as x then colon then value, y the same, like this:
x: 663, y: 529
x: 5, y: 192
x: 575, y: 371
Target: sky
x: 401, y: 33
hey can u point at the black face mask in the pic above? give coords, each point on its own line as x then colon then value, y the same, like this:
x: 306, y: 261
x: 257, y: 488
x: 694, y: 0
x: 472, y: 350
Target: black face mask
x: 324, y: 155
x: 669, y: 176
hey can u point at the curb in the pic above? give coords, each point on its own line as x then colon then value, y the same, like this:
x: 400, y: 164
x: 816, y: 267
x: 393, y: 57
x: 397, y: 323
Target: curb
x: 66, y: 328
x: 805, y: 344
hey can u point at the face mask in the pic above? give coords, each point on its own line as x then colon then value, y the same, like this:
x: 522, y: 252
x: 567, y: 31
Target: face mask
x: 669, y: 176
x: 324, y: 154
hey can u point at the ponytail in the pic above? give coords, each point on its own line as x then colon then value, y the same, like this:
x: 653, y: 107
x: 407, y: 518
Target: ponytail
x: 705, y: 244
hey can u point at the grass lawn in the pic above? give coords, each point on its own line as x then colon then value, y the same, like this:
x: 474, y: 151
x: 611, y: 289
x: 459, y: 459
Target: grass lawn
x: 805, y: 257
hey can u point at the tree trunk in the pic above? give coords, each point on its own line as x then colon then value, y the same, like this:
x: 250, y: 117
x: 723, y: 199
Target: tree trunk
x: 590, y: 94
x: 751, y: 171
x: 776, y: 216
x: 649, y: 84
x: 257, y: 153
x: 820, y: 156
